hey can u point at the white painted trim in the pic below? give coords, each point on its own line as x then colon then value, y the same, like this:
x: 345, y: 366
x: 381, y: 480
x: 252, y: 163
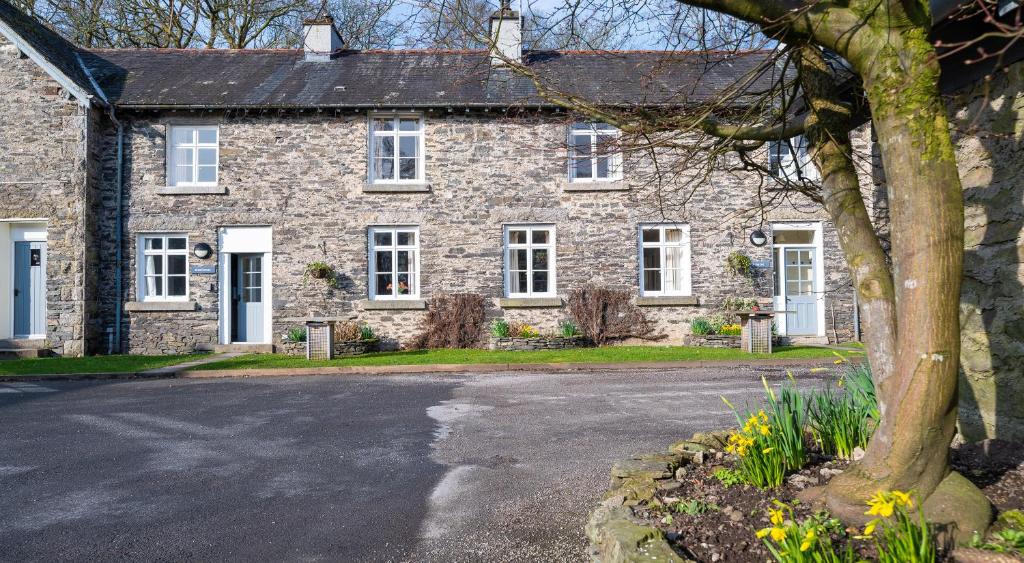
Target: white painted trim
x: 819, y: 270
x: 245, y: 240
x: 687, y: 265
x: 421, y: 162
x: 553, y: 259
x: 171, y: 166
x: 83, y: 97
x: 34, y: 231
x: 394, y: 248
x: 616, y: 158
x: 140, y: 261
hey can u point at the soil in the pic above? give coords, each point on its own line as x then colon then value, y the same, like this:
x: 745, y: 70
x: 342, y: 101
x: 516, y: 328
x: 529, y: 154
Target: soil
x: 728, y: 533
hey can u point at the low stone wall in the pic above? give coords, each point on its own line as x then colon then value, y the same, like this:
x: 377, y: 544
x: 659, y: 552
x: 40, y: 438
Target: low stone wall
x: 355, y: 347
x: 341, y: 349
x: 540, y: 343
x: 713, y: 340
x: 615, y: 534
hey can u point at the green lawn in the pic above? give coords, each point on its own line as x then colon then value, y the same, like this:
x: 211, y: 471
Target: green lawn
x: 607, y: 354
x: 89, y: 364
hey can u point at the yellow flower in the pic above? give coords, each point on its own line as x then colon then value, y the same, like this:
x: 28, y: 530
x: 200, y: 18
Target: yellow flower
x: 763, y: 532
x: 883, y: 509
x: 870, y: 528
x: 902, y: 499
x: 762, y: 415
x: 778, y: 534
x: 808, y: 540
x: 765, y: 430
x: 776, y: 516
x: 767, y: 450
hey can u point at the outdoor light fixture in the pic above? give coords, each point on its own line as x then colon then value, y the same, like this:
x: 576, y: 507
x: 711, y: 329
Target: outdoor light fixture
x: 202, y: 250
x: 758, y: 238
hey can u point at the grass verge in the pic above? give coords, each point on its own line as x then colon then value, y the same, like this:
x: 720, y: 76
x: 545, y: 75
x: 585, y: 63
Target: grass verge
x: 88, y: 364
x: 608, y: 354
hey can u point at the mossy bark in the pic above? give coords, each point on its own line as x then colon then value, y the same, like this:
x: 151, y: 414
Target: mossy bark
x: 918, y: 397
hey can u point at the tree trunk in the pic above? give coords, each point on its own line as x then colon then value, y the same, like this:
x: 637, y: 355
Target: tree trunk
x: 918, y: 398
x: 828, y: 132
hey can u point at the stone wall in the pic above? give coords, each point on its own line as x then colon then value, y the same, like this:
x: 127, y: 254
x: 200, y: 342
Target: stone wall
x: 44, y: 175
x: 989, y: 129
x: 304, y: 175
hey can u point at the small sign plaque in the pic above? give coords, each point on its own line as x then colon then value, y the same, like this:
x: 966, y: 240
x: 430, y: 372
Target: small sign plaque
x: 762, y: 264
x: 204, y: 269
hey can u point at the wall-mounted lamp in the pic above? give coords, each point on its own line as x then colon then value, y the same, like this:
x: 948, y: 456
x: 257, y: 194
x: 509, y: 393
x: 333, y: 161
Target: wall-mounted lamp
x: 758, y: 238
x: 202, y: 250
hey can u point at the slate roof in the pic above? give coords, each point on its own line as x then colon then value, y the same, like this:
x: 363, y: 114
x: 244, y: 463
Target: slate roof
x: 57, y: 50
x: 284, y: 79
x: 221, y: 78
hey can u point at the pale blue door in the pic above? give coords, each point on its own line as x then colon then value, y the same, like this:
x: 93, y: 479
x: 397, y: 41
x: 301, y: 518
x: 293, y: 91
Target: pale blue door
x: 29, y: 289
x: 251, y: 307
x: 801, y: 301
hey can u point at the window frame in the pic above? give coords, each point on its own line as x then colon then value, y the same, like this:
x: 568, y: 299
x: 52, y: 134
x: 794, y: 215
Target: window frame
x: 615, y: 158
x: 396, y: 134
x: 685, y: 244
x: 394, y: 247
x: 171, y: 164
x: 143, y: 294
x: 551, y: 247
x: 790, y: 160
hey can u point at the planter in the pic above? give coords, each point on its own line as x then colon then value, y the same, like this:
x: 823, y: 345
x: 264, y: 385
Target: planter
x: 713, y: 340
x: 540, y: 343
x: 347, y: 348
x: 293, y: 348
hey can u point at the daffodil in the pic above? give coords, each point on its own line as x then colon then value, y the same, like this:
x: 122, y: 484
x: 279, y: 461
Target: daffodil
x: 870, y: 528
x: 902, y: 499
x: 763, y: 532
x: 808, y: 540
x: 778, y: 534
x: 765, y: 430
x: 776, y: 516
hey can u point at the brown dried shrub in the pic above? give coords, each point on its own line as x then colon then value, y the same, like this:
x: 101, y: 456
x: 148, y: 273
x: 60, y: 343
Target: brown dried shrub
x: 604, y: 315
x: 453, y: 321
x: 346, y: 331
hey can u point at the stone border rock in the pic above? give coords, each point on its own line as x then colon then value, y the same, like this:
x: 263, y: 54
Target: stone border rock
x: 540, y: 343
x: 615, y: 534
x: 343, y: 349
x: 712, y: 340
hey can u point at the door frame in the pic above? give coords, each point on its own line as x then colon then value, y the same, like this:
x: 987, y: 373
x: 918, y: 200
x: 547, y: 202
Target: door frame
x: 819, y: 271
x: 244, y: 240
x: 25, y: 231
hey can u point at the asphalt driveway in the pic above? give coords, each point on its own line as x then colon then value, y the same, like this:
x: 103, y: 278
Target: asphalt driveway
x: 495, y: 467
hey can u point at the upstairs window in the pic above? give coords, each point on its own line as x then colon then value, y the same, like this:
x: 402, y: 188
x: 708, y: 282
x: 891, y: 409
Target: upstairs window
x: 396, y: 149
x: 664, y: 260
x: 790, y: 160
x: 192, y: 155
x: 163, y: 268
x: 394, y: 263
x: 530, y: 261
x: 594, y: 155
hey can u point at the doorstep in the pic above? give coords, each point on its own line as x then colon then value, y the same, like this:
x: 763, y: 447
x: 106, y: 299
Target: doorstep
x: 243, y: 347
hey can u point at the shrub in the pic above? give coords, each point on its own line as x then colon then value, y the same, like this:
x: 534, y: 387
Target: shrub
x: 605, y: 315
x: 733, y: 304
x: 728, y: 477
x: 347, y: 331
x: 838, y: 421
x: 798, y: 542
x: 296, y: 334
x: 366, y: 333
x: 789, y: 418
x: 568, y: 329
x: 453, y: 321
x: 717, y: 322
x: 700, y: 327
x: 500, y: 328
x: 898, y: 536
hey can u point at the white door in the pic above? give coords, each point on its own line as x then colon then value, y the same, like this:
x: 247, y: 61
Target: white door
x: 250, y: 298
x: 798, y: 286
x: 29, y: 289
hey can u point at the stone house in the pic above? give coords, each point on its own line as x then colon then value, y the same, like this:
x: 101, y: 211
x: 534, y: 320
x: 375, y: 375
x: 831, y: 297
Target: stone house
x: 163, y: 201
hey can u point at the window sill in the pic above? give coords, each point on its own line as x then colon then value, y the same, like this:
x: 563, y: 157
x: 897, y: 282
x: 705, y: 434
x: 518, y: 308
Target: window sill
x: 608, y: 186
x: 528, y: 302
x: 191, y: 190
x: 393, y: 304
x: 668, y: 301
x: 160, y: 306
x: 385, y: 188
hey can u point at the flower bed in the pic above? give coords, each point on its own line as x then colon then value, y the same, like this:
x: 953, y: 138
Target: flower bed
x: 343, y: 349
x: 291, y: 348
x: 540, y: 343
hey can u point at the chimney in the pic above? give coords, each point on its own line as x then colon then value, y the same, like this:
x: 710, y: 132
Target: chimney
x: 320, y: 39
x: 506, y: 32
